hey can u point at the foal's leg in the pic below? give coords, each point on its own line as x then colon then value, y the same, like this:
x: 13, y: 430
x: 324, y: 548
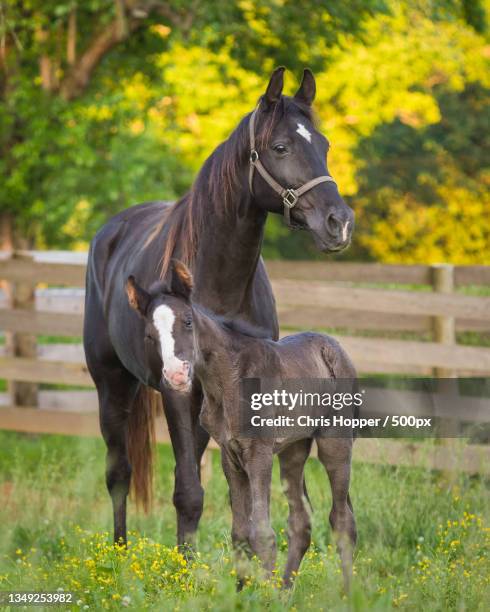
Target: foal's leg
x: 258, y: 465
x: 116, y: 395
x: 335, y: 454
x: 188, y: 442
x: 201, y: 436
x: 240, y: 507
x: 292, y: 461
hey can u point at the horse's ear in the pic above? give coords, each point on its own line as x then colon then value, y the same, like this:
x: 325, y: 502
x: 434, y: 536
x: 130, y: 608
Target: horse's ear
x: 307, y: 90
x: 181, y: 282
x: 276, y: 83
x: 138, y: 298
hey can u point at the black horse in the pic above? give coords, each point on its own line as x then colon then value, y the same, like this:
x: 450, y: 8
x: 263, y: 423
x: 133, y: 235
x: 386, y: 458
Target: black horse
x: 274, y: 161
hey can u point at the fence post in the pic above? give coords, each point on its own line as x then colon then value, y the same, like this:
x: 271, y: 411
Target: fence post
x: 444, y: 333
x: 21, y: 295
x: 443, y: 326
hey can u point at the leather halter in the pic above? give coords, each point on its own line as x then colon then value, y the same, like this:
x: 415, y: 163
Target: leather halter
x: 289, y: 196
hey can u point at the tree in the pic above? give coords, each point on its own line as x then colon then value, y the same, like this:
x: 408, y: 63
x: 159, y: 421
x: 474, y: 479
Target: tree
x: 105, y: 103
x: 54, y: 59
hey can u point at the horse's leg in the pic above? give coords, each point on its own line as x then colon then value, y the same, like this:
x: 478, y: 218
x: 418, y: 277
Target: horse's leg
x: 240, y: 507
x: 335, y: 454
x: 116, y: 389
x: 116, y: 395
x: 182, y: 421
x: 292, y: 461
x: 258, y: 466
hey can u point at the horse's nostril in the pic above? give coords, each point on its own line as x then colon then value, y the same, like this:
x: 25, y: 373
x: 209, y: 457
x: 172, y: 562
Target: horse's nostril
x: 334, y: 225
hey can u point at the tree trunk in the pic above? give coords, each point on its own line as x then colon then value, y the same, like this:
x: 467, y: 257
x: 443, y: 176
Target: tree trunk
x: 6, y: 231
x: 71, y: 38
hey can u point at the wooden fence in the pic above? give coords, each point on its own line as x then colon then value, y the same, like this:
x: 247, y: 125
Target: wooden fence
x: 310, y: 295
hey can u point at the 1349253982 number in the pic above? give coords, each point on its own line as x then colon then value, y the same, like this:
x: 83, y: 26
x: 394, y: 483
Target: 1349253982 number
x: 33, y: 598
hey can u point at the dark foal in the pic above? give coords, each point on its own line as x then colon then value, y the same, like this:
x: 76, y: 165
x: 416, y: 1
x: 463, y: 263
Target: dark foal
x: 222, y: 353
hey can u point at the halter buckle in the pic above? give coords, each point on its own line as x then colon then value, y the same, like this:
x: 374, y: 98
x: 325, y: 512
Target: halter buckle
x: 290, y: 198
x: 254, y: 156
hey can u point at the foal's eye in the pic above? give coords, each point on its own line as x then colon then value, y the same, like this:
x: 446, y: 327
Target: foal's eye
x: 188, y: 323
x: 280, y: 148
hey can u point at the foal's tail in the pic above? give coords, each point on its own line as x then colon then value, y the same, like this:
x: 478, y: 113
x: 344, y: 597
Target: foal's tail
x: 141, y: 444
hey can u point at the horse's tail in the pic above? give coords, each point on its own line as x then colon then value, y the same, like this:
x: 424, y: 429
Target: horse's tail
x: 141, y: 444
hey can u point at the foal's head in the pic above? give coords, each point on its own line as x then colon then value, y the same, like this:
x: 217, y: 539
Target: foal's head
x: 167, y: 313
x: 293, y: 152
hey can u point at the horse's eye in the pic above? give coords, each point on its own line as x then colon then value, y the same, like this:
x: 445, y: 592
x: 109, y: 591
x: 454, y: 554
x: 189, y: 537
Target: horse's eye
x: 280, y: 148
x: 188, y: 323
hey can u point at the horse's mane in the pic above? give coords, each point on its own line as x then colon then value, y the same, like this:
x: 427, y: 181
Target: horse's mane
x: 216, y: 183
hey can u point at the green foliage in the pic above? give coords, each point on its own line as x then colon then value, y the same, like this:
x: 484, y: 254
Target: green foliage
x: 402, y: 96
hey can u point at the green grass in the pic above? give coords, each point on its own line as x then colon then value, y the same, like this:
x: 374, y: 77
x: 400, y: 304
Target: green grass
x: 42, y: 339
x: 422, y: 541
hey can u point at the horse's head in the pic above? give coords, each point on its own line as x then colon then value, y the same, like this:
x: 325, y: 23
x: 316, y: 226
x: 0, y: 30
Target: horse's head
x: 167, y: 312
x: 287, y: 154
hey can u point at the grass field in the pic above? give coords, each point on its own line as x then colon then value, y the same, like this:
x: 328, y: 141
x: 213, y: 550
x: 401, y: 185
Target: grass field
x: 423, y: 543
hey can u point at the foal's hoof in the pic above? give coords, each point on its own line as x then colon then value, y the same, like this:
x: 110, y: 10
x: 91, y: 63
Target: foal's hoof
x: 188, y: 551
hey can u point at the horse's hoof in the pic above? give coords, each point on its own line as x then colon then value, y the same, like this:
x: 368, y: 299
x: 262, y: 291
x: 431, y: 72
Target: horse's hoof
x: 120, y: 542
x: 287, y: 584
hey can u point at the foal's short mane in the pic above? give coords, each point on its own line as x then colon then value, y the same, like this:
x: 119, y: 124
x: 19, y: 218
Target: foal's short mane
x: 217, y: 182
x: 240, y: 326
x: 244, y: 328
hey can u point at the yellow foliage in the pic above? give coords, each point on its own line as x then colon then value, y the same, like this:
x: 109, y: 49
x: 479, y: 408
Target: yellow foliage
x: 79, y: 217
x: 458, y: 230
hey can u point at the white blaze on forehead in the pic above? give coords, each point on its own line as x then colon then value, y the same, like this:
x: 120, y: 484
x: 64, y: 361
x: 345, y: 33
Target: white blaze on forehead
x: 164, y: 319
x: 302, y: 131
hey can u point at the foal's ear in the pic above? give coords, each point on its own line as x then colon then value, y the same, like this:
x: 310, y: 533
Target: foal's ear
x: 138, y: 298
x: 276, y: 83
x: 307, y: 90
x: 181, y: 281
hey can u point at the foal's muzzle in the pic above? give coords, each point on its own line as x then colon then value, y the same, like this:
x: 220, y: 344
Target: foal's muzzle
x: 179, y: 378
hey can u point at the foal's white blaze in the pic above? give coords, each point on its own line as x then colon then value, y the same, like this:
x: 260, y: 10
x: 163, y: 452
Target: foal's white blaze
x: 302, y: 131
x: 344, y: 231
x: 164, y: 319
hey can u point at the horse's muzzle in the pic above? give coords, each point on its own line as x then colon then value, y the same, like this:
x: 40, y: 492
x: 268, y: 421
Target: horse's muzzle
x: 336, y: 231
x: 339, y: 224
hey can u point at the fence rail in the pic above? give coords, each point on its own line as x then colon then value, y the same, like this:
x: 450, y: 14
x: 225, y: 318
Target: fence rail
x: 315, y: 303
x: 474, y: 459
x: 373, y: 273
x: 68, y: 268
x: 310, y: 295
